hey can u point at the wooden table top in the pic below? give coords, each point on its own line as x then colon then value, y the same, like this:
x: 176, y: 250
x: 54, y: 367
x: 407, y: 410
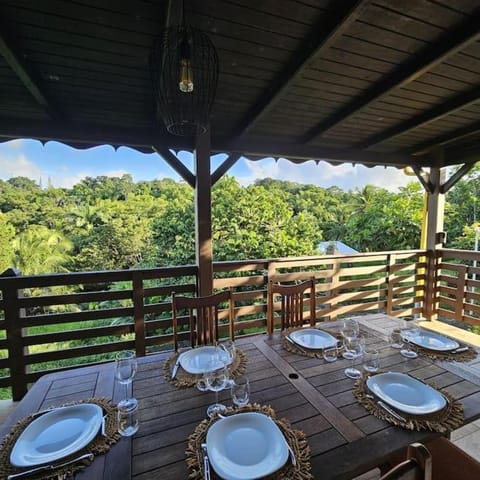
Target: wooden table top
x: 315, y: 396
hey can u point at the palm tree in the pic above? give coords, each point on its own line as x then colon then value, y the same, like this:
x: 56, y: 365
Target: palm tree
x: 41, y: 250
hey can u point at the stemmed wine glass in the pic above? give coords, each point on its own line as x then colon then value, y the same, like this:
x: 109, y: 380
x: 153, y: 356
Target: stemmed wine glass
x: 356, y: 348
x: 216, y: 379
x: 408, y: 333
x: 125, y: 369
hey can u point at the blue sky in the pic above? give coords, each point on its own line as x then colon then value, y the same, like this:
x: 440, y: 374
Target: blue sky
x: 64, y: 166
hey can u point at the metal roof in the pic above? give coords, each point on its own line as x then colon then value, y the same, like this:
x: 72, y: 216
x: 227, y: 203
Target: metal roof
x: 381, y: 82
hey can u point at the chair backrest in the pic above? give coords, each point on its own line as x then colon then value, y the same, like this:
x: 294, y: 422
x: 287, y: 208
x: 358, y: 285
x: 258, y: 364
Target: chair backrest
x: 202, y: 316
x: 293, y: 302
x: 417, y: 465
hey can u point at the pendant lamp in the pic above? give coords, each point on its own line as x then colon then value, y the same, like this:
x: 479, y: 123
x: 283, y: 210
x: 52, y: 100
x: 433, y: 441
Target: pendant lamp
x: 184, y: 71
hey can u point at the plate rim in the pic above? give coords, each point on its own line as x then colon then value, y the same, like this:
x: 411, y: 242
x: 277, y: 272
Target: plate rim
x: 238, y: 476
x: 183, y: 355
x: 323, y: 333
x: 437, y: 335
x: 92, y: 430
x: 401, y: 406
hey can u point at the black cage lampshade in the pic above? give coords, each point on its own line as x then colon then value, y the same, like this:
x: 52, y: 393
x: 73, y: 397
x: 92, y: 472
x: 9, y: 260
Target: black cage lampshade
x: 184, y: 70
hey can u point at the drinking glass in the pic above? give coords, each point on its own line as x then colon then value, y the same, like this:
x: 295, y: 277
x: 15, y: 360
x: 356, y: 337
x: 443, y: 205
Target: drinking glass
x: 356, y: 347
x: 408, y: 333
x: 371, y: 362
x: 125, y: 369
x: 396, y: 340
x: 240, y: 391
x: 216, y: 379
x: 330, y: 354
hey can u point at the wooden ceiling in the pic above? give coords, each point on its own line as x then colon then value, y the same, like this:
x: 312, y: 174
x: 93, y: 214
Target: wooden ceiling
x: 377, y: 82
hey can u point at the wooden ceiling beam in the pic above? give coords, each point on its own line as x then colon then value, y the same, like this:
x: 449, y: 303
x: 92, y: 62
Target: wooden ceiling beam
x: 25, y: 72
x: 451, y: 43
x: 445, y: 139
x: 322, y: 36
x: 452, y: 105
x: 86, y: 136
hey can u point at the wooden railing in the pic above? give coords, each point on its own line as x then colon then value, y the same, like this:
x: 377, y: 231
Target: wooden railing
x: 53, y: 322
x: 458, y: 286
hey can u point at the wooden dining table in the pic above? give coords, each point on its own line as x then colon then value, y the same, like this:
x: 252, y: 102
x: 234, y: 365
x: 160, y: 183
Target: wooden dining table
x: 316, y: 397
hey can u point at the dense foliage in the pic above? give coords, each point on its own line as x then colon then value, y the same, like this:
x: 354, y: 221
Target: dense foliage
x: 113, y: 223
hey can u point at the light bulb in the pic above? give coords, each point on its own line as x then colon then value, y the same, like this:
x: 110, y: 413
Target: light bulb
x: 186, y: 76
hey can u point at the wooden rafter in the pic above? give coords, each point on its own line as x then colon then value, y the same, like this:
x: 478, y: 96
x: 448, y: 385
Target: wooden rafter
x: 446, y: 138
x: 451, y: 43
x: 25, y: 72
x: 463, y: 100
x: 323, y: 35
x: 176, y: 164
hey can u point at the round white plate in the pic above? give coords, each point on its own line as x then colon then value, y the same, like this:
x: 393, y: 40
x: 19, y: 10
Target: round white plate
x: 406, y: 393
x: 57, y: 434
x: 432, y: 341
x: 313, y: 338
x: 246, y: 446
x: 195, y: 361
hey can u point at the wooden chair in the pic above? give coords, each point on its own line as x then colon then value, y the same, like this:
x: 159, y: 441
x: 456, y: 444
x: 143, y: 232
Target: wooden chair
x: 446, y: 462
x: 202, y: 316
x: 416, y: 466
x: 293, y: 302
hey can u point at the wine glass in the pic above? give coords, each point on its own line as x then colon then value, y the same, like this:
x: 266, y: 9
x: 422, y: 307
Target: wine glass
x: 240, y: 391
x: 125, y: 369
x: 349, y: 333
x: 408, y: 333
x: 356, y: 348
x: 216, y: 379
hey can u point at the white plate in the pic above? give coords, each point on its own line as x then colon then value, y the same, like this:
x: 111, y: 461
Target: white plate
x: 196, y: 361
x: 313, y: 338
x: 406, y: 393
x: 432, y: 341
x: 246, y: 446
x: 57, y: 434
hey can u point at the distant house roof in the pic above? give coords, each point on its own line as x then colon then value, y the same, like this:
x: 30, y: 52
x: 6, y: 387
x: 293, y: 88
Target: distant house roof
x: 335, y: 247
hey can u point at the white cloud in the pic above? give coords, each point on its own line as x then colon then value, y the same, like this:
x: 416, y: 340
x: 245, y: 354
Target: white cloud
x: 345, y: 176
x: 18, y: 166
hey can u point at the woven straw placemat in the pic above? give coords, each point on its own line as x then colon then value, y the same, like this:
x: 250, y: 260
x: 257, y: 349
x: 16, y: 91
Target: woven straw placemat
x: 306, y: 352
x: 443, y: 421
x: 98, y: 446
x: 184, y: 379
x: 466, y: 356
x: 295, y: 438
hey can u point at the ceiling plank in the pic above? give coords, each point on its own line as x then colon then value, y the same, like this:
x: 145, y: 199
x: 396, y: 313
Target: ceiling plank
x: 322, y: 37
x: 25, y: 72
x: 452, y: 105
x: 451, y: 43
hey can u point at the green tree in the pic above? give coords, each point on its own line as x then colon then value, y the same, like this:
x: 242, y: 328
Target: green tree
x: 7, y: 233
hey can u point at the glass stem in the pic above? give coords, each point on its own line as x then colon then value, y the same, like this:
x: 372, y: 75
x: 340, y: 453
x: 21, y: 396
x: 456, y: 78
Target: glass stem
x: 126, y: 391
x: 216, y: 396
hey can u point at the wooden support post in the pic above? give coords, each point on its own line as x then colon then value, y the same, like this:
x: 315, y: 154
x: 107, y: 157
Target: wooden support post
x: 15, y: 333
x: 203, y: 215
x: 139, y: 314
x: 435, y: 209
